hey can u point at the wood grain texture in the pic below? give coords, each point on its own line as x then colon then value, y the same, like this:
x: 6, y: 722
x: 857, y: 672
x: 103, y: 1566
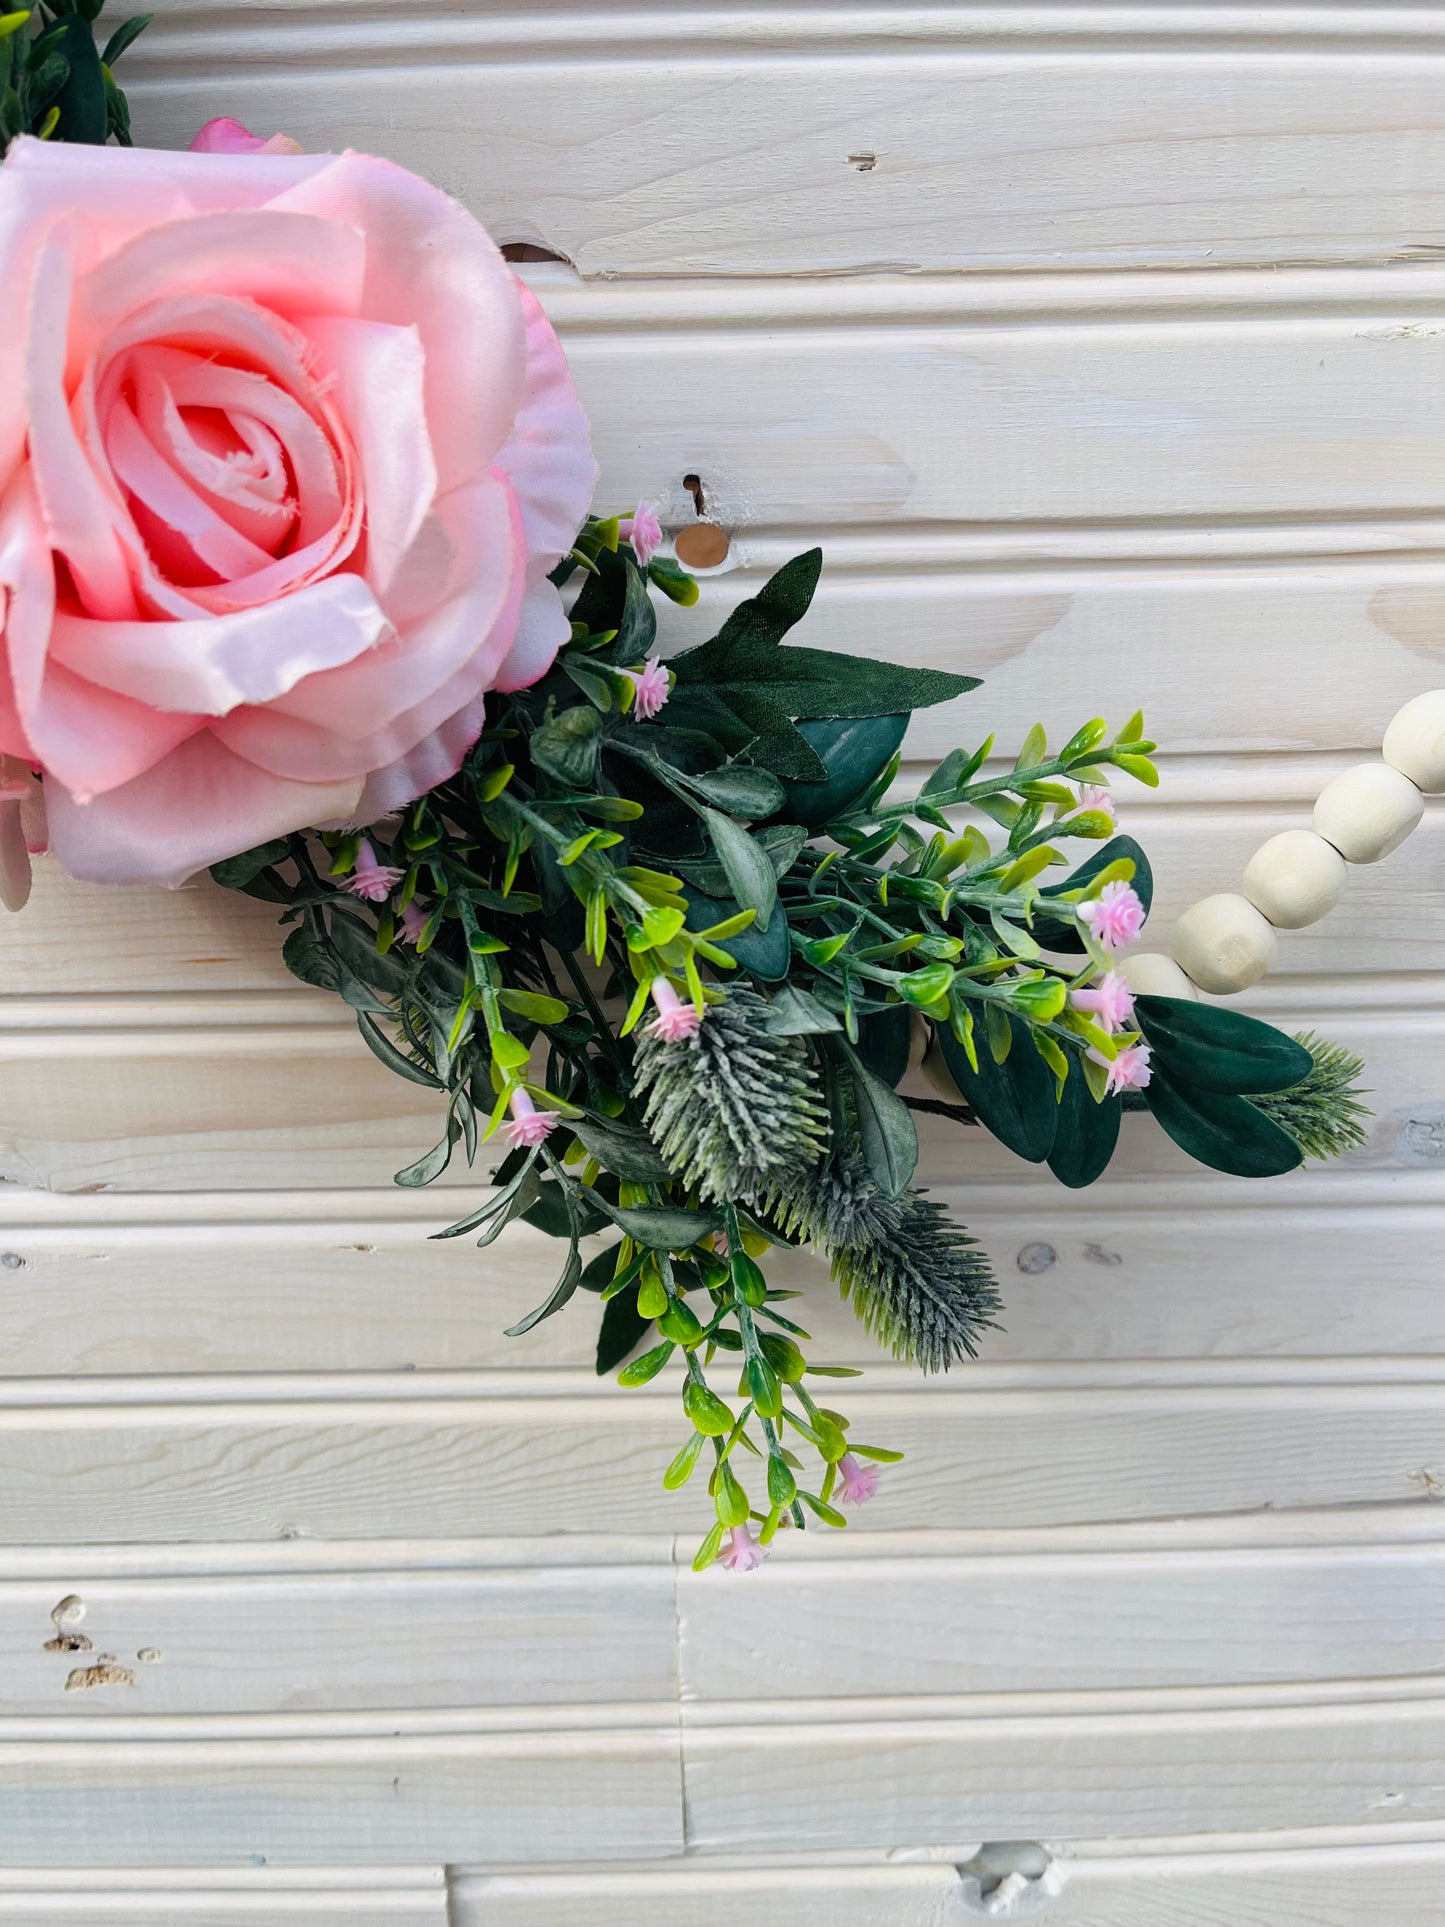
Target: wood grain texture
x: 257, y: 1897
x: 111, y: 1284
x: 860, y: 137
x: 414, y: 1467
x: 1315, y: 1887
x: 397, y: 1792
x: 912, y: 1781
x: 273, y: 1642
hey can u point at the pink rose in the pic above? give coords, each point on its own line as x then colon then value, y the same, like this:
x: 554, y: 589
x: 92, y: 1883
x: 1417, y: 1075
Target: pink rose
x: 227, y: 136
x: 286, y: 453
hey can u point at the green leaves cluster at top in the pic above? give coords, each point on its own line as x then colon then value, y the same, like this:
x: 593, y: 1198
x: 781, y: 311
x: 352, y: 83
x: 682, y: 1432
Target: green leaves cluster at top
x: 56, y: 80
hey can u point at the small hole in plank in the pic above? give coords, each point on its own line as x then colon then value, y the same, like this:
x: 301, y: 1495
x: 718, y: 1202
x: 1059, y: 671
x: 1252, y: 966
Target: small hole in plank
x: 701, y: 546
x: 693, y: 485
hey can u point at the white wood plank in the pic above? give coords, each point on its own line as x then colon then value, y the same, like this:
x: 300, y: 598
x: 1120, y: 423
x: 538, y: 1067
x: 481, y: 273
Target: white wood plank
x: 256, y: 1897
x: 1319, y: 1887
x: 909, y: 1781
x: 226, y: 1283
x: 1071, y: 1621
x: 797, y: 139
x: 286, y: 1107
x: 413, y: 1466
x: 1316, y: 1887
x: 269, y: 1642
x: 153, y: 1792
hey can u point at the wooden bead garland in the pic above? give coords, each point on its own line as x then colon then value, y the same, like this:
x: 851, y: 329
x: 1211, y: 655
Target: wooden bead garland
x: 1295, y: 878
x: 1227, y: 942
x: 1224, y: 944
x: 1368, y: 811
x: 1415, y: 741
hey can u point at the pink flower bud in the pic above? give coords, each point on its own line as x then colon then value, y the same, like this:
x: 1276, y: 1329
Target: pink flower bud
x: 1111, y: 1001
x: 676, y: 1019
x: 742, y: 1553
x: 1116, y: 915
x: 528, y: 1125
x: 643, y: 530
x: 370, y: 878
x: 651, y: 687
x: 857, y: 1483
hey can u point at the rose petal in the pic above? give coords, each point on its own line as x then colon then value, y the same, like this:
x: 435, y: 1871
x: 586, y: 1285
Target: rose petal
x: 288, y: 264
x: 434, y: 760
x: 379, y: 374
x: 471, y: 629
x: 548, y: 455
x: 542, y: 629
x: 212, y: 666
x: 151, y: 481
x: 201, y: 804
x: 79, y: 517
x: 431, y: 265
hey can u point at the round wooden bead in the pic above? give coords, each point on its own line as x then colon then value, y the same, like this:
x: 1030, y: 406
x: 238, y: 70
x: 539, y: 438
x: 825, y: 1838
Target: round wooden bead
x: 1149, y: 973
x: 1415, y: 741
x: 1368, y: 811
x: 1295, y: 878
x: 1224, y: 944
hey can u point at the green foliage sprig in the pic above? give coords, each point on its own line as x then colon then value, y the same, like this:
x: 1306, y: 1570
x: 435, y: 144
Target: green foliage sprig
x: 56, y: 80
x: 682, y: 959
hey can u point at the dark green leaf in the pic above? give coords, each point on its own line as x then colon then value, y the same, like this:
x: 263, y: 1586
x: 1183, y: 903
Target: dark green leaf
x: 659, y: 1227
x: 566, y: 748
x: 1220, y: 1050
x: 237, y: 871
x: 889, y: 1137
x: 739, y: 789
x: 623, y: 1329
x: 307, y: 957
x: 1086, y: 1133
x: 556, y: 1214
x: 749, y: 871
x: 82, y: 99
x: 793, y: 1013
x: 767, y: 953
x: 556, y: 1299
x: 394, y: 1059
x: 355, y: 943
x: 884, y: 1042
x: 124, y: 36
x: 853, y: 750
x: 624, y: 1151
x: 1015, y: 1099
x: 432, y: 1165
x: 1050, y: 934
x: 1225, y: 1132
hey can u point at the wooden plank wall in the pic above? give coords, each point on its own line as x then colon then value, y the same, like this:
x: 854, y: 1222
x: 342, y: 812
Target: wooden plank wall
x: 1100, y: 345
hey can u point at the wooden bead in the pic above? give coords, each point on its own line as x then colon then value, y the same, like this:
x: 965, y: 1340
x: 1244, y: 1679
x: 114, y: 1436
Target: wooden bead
x: 1295, y: 878
x: 1415, y: 741
x: 1149, y: 973
x: 1224, y: 944
x: 1368, y: 811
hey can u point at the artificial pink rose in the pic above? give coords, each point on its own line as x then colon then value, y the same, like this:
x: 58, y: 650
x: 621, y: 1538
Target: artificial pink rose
x: 227, y: 136
x: 286, y: 454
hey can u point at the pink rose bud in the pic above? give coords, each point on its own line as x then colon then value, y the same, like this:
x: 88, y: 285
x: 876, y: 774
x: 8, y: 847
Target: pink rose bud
x: 226, y: 136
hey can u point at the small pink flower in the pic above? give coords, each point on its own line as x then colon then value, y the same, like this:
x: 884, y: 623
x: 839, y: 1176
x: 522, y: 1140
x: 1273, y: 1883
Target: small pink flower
x: 676, y: 1019
x: 857, y: 1483
x: 1093, y: 796
x: 370, y: 878
x: 528, y: 1125
x: 413, y: 921
x: 227, y: 136
x: 1129, y: 1071
x: 743, y: 1554
x: 1116, y: 916
x: 651, y: 687
x: 643, y: 530
x: 1111, y: 1001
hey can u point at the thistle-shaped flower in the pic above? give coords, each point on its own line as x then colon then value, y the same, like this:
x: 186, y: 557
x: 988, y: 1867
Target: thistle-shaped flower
x: 1323, y: 1113
x: 732, y: 1107
x: 914, y: 1278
